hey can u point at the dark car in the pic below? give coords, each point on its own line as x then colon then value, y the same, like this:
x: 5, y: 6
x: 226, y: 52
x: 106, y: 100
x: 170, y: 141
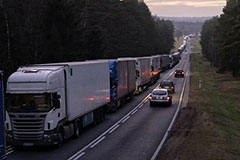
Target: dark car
x: 167, y: 84
x: 179, y: 73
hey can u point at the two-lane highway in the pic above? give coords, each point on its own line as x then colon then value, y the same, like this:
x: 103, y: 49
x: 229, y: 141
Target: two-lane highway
x: 133, y: 132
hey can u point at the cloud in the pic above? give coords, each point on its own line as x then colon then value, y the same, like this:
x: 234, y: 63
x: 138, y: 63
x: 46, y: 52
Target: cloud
x: 195, y: 3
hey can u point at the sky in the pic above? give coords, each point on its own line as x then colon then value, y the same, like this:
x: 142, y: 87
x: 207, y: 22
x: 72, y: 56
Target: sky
x: 186, y: 8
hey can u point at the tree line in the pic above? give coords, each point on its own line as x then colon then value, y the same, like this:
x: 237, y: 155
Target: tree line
x: 220, y: 39
x: 47, y: 31
x: 186, y: 28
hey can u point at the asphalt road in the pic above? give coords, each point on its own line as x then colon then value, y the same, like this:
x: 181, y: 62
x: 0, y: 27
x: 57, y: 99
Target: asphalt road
x: 132, y: 133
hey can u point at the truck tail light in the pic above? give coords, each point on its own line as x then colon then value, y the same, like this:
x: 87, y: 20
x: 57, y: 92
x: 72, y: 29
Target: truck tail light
x: 91, y: 99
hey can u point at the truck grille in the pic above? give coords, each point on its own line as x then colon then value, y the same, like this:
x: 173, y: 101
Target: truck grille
x: 27, y: 127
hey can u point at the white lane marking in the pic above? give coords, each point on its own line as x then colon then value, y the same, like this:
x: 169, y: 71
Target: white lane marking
x: 96, y: 143
x: 141, y: 106
x: 114, y: 129
x: 171, y: 124
x: 170, y: 74
x: 87, y: 146
x: 123, y: 121
x: 80, y: 155
x: 135, y: 111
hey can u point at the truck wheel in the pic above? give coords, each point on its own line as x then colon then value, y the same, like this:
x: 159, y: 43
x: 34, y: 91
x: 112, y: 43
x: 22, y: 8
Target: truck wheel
x: 76, y: 128
x: 59, y: 138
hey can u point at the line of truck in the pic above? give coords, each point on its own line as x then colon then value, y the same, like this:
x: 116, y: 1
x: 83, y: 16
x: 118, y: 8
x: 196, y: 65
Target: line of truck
x: 48, y: 103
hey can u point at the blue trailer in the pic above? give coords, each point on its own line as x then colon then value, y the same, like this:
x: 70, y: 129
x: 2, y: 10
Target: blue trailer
x: 2, y: 133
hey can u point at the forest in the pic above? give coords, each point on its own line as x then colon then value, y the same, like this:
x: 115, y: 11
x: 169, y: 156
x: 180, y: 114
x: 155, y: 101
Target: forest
x: 43, y: 31
x: 220, y: 39
x: 186, y: 28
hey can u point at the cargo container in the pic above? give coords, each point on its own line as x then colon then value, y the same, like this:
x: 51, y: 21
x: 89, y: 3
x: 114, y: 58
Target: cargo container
x: 165, y: 62
x: 143, y: 78
x: 176, y: 58
x: 171, y: 61
x: 2, y: 131
x: 122, y: 81
x: 155, y: 68
x: 48, y: 103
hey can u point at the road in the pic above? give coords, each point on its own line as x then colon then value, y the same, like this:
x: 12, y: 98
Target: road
x: 134, y: 132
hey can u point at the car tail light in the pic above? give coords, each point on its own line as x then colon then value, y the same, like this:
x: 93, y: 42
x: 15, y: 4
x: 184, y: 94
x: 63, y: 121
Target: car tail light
x: 182, y: 72
x: 168, y: 98
x: 172, y: 87
x: 175, y: 72
x: 150, y: 97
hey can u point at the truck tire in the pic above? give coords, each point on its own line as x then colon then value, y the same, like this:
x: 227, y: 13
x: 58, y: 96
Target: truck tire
x: 77, y: 128
x: 59, y: 138
x: 97, y: 117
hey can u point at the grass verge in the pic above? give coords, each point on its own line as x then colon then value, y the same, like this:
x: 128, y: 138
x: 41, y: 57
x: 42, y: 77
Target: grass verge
x: 209, y: 128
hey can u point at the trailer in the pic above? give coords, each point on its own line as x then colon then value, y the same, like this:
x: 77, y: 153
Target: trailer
x: 176, y: 58
x: 155, y: 68
x: 48, y: 103
x: 171, y: 61
x: 2, y: 131
x: 143, y: 77
x: 165, y: 62
x: 122, y: 81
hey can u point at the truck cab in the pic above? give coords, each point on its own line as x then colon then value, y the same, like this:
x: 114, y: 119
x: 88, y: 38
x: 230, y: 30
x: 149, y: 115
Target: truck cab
x: 35, y: 105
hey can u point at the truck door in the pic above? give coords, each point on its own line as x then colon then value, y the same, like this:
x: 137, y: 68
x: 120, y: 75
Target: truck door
x: 2, y: 136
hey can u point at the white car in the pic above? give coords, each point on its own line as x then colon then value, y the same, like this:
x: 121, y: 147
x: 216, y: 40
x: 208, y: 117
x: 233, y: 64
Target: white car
x: 160, y: 96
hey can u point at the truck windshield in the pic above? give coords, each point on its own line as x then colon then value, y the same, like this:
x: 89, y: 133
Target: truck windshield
x: 29, y: 103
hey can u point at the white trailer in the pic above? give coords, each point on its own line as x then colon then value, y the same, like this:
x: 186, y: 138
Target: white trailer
x: 48, y: 103
x: 143, y: 77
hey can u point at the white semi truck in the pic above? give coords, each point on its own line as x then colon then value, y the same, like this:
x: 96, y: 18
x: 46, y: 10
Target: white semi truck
x: 48, y: 103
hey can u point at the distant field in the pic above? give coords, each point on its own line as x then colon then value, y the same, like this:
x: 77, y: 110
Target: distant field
x: 209, y: 128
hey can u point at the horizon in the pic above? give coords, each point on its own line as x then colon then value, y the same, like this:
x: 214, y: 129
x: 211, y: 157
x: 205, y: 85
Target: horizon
x: 186, y: 8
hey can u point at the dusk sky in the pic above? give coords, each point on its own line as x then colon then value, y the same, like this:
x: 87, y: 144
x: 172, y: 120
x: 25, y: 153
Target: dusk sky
x: 186, y: 8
